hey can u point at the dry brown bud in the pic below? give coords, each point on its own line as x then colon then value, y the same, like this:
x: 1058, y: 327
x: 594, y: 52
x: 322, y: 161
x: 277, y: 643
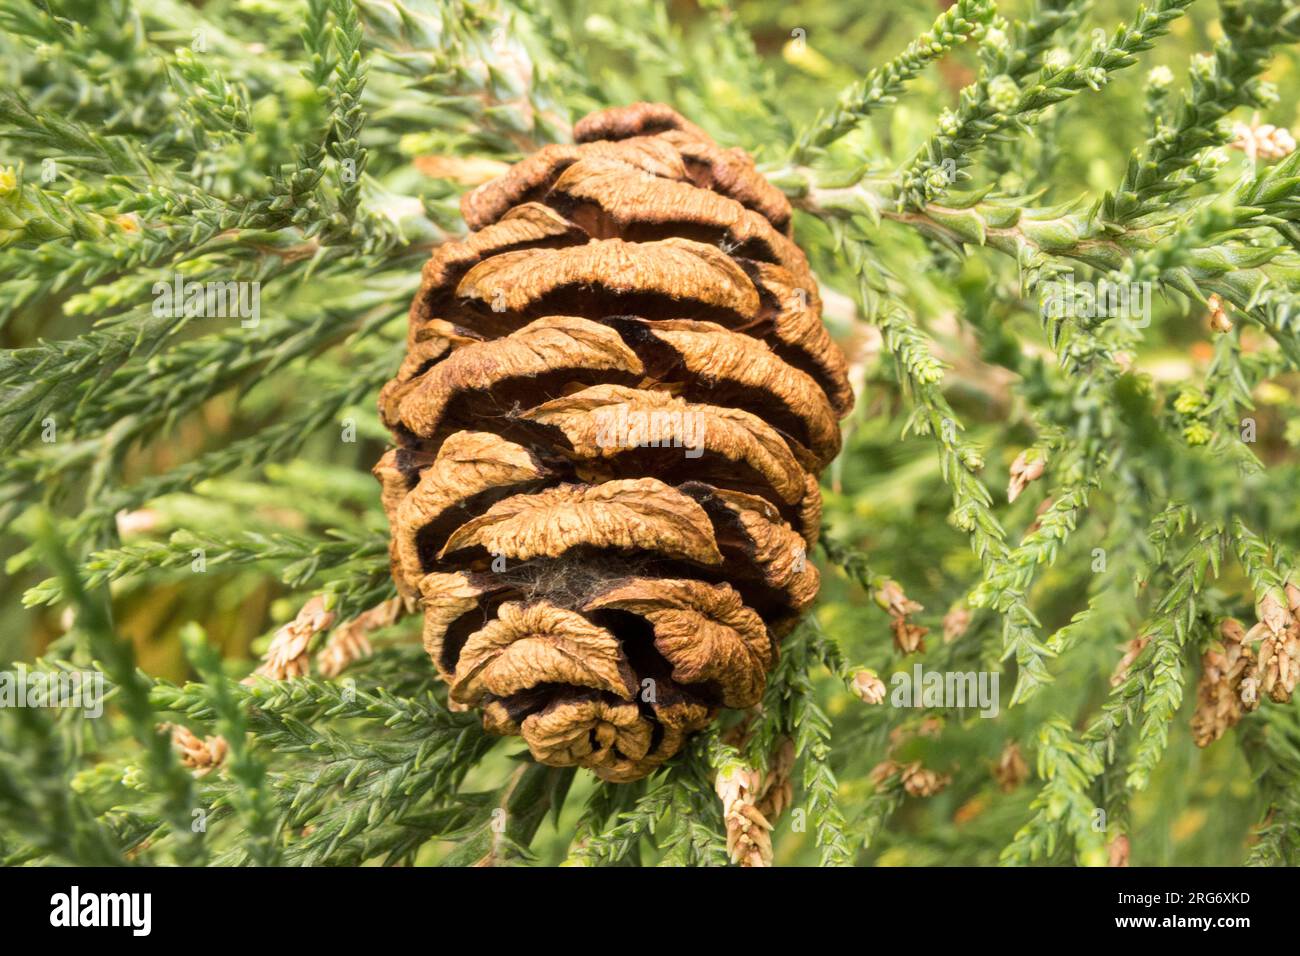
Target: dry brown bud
x: 350, y: 642
x: 1230, y: 629
x: 287, y: 655
x: 920, y: 782
x: 202, y: 756
x: 749, y: 836
x: 1219, y: 321
x: 908, y: 637
x: 1027, y: 467
x: 1275, y: 668
x: 749, y: 839
x: 1225, y: 667
x: 1273, y: 614
x: 1278, y: 666
x: 1262, y: 140
x: 955, y: 623
x: 868, y: 686
x: 1011, y: 769
x: 882, y: 771
x: 778, y: 785
x: 889, y: 595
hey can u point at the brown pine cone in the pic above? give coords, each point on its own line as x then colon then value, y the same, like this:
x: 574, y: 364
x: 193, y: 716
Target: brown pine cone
x: 615, y: 402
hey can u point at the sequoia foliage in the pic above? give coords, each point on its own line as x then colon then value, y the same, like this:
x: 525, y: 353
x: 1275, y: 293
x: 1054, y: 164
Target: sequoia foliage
x: 1059, y: 257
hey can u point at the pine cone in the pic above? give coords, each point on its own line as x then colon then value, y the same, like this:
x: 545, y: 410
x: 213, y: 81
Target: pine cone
x: 616, y: 398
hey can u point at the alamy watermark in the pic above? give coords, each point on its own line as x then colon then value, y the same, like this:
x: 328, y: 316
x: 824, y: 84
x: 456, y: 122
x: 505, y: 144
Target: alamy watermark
x: 1068, y: 298
x: 209, y: 300
x: 75, y: 908
x: 622, y: 427
x: 82, y: 690
x: 922, y: 688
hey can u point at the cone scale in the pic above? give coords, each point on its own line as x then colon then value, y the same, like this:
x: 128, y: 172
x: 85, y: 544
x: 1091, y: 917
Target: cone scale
x: 615, y: 402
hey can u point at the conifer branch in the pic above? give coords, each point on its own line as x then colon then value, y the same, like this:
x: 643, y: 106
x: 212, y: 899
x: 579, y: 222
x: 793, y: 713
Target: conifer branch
x: 883, y: 85
x: 1067, y: 770
x: 302, y: 559
x: 618, y: 841
x: 1220, y: 83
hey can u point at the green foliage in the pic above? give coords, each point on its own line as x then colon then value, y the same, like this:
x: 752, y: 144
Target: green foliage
x: 174, y: 488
